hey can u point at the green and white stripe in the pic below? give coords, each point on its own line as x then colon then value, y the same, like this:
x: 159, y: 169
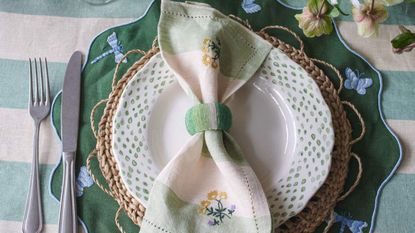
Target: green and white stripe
x: 41, y: 29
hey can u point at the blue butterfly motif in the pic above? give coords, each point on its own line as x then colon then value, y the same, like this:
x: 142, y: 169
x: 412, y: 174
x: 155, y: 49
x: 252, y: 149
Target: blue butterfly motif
x: 250, y: 6
x: 117, y: 49
x: 354, y: 226
x: 357, y: 81
x: 84, y: 180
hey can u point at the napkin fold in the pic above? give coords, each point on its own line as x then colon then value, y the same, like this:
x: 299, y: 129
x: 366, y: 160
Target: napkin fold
x: 208, y: 186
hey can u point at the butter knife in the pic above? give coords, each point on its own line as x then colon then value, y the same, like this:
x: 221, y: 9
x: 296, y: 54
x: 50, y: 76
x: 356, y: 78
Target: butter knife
x: 69, y: 130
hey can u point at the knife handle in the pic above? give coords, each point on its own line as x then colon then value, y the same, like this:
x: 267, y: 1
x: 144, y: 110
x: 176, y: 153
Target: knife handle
x: 67, y: 215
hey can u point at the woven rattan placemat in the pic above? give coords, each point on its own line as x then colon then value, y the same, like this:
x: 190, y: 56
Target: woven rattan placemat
x: 319, y: 208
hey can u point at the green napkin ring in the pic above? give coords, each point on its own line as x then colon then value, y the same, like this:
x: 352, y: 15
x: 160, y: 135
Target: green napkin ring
x: 210, y: 116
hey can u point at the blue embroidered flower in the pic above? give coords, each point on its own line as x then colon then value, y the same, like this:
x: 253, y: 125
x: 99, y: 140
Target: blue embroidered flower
x: 84, y: 180
x: 117, y: 49
x: 250, y: 6
x: 357, y: 81
x: 355, y: 226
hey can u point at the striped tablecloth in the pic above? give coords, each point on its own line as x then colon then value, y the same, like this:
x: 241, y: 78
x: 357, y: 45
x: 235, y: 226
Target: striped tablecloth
x: 54, y: 29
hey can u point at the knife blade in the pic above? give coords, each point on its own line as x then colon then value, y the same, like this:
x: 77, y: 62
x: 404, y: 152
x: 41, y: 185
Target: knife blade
x: 71, y: 95
x: 70, y: 103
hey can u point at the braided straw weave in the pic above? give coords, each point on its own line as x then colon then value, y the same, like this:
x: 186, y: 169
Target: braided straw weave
x: 319, y: 208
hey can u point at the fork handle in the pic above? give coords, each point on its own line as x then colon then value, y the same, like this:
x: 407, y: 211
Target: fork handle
x: 67, y: 215
x: 32, y: 221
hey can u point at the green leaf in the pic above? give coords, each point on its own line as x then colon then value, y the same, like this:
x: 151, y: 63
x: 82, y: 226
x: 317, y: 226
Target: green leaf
x: 334, y: 12
x: 340, y: 10
x: 331, y: 11
x: 402, y: 40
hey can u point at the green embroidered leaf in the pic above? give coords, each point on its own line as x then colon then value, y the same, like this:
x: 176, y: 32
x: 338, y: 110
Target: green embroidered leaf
x: 220, y: 205
x: 402, y: 40
x: 209, y: 211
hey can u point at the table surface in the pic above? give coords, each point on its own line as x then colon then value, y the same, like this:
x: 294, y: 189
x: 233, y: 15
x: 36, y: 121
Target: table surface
x: 54, y: 29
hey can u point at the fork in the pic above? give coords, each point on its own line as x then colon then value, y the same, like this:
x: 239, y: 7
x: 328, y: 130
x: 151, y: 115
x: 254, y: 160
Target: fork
x: 39, y: 108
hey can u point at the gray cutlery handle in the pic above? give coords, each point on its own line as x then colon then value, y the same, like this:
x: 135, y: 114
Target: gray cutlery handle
x: 32, y: 221
x: 67, y: 215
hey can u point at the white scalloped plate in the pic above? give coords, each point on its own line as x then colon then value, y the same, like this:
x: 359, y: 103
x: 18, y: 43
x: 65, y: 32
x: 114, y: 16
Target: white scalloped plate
x: 280, y: 120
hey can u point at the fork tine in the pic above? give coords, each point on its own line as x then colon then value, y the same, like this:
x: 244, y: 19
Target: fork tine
x: 42, y: 89
x: 47, y: 82
x: 35, y: 96
x: 30, y: 82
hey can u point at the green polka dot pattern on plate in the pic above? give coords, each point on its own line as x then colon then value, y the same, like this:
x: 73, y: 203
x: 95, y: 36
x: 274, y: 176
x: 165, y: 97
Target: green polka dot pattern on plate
x: 314, y: 133
x: 130, y: 131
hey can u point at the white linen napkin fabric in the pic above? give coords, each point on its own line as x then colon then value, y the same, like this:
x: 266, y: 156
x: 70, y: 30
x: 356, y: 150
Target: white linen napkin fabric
x: 208, y: 186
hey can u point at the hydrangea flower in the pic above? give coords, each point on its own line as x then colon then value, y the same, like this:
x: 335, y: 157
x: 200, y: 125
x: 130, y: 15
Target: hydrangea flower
x: 315, y: 19
x: 368, y: 16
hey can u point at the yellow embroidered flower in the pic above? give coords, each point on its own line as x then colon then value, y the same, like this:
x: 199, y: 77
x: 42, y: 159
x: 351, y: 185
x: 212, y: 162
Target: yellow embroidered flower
x: 202, y: 210
x: 213, y: 195
x: 223, y: 195
x: 211, y: 52
x: 204, y: 204
x: 205, y: 47
x: 206, y: 41
x: 216, y: 208
x: 206, y: 60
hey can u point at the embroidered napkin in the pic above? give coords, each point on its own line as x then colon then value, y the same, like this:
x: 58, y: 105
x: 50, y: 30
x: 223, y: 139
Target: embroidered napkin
x: 208, y: 186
